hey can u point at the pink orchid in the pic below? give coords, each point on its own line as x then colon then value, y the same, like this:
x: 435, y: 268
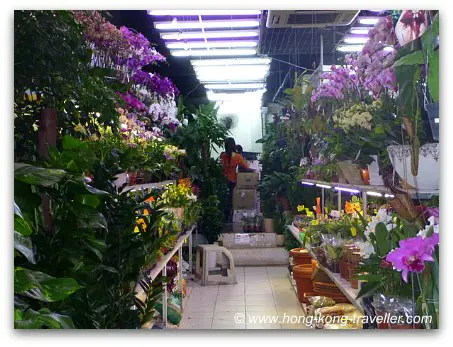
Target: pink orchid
x: 412, y: 254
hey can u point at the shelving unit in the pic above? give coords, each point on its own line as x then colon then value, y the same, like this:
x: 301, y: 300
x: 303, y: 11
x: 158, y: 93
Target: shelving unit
x: 365, y: 190
x: 146, y: 186
x: 161, y: 266
x: 341, y: 283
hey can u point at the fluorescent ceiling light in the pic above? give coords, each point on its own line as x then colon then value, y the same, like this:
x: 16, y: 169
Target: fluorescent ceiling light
x: 355, y: 39
x: 374, y: 194
x: 235, y: 69
x: 211, y: 44
x: 355, y: 191
x: 258, y: 94
x: 391, y: 196
x: 307, y: 183
x: 233, y: 86
x: 203, y: 12
x: 207, y: 24
x: 213, y: 52
x: 323, y: 186
x: 368, y: 20
x: 230, y: 62
x: 388, y: 49
x: 350, y: 48
x: 360, y: 31
x: 209, y: 34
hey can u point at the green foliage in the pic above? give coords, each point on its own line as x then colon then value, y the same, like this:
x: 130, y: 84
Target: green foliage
x: 201, y: 136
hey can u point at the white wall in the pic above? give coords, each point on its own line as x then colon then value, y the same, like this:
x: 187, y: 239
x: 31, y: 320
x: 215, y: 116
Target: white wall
x: 247, y: 107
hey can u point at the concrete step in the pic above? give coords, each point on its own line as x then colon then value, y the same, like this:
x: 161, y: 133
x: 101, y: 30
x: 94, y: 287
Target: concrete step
x: 251, y: 240
x: 260, y: 256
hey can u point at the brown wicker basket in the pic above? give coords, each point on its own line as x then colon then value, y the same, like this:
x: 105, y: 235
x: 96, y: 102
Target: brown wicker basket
x: 351, y: 171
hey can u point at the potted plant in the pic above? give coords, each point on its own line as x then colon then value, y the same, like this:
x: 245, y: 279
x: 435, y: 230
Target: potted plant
x: 268, y: 207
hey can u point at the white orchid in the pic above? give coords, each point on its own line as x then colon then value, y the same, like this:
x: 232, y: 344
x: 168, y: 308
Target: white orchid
x: 381, y: 217
x: 424, y: 233
x: 366, y: 248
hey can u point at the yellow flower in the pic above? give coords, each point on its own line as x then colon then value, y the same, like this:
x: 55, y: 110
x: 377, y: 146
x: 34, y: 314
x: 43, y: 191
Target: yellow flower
x: 80, y: 128
x: 353, y: 231
x: 300, y: 208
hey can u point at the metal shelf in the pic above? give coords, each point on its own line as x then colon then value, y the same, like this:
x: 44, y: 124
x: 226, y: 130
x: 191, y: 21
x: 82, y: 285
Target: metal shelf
x: 146, y: 186
x: 161, y: 266
x: 379, y: 189
x: 341, y: 283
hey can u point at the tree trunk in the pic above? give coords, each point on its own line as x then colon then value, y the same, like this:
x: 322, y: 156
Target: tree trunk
x: 47, y: 137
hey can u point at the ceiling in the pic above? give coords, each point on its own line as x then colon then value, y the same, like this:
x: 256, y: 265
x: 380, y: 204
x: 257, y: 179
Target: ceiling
x: 291, y: 49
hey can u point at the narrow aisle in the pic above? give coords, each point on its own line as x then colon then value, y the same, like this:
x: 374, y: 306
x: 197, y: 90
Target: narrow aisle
x: 261, y: 292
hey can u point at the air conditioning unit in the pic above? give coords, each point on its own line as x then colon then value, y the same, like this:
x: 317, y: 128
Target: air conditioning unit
x: 309, y: 19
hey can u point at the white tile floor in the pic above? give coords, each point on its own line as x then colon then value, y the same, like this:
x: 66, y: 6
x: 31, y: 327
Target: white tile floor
x: 260, y: 291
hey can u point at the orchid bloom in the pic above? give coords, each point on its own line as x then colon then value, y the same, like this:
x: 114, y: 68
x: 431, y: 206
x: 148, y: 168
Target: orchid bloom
x: 412, y: 254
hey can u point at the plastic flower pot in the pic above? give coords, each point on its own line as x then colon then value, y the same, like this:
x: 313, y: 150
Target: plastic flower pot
x: 300, y: 256
x: 433, y: 116
x: 302, y: 276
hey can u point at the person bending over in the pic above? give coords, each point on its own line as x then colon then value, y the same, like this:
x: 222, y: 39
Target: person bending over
x: 230, y: 161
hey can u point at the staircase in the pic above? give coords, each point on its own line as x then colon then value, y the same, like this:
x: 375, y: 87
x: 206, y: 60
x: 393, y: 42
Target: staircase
x: 254, y: 249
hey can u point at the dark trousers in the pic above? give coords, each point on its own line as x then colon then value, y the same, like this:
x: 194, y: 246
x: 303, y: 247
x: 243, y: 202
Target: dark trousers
x: 229, y: 207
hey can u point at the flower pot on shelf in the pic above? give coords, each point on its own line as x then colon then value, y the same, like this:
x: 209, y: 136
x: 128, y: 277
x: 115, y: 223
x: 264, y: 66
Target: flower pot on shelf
x: 365, y: 175
x: 280, y: 240
x: 350, y: 171
x: 433, y: 116
x: 302, y: 275
x: 269, y: 225
x: 373, y: 171
x: 300, y: 256
x: 428, y: 167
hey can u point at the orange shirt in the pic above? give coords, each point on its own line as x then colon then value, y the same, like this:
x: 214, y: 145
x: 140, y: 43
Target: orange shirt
x: 230, y: 166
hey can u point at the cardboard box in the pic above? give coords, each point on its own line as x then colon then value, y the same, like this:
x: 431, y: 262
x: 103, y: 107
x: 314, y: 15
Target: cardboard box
x: 244, y: 199
x: 238, y: 215
x: 247, y: 180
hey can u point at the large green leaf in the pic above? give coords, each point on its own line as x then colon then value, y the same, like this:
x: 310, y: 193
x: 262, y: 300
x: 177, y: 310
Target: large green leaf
x: 415, y: 58
x: 37, y: 175
x: 41, y: 286
x: 21, y: 226
x: 88, y: 199
x: 24, y: 246
x: 43, y: 318
x: 382, y: 239
x: 71, y: 143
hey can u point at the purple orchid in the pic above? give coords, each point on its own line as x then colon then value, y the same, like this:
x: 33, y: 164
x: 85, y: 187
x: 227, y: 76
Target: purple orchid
x: 412, y: 254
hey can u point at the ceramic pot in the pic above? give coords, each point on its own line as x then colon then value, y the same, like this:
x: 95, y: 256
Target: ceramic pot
x: 300, y: 256
x: 428, y: 167
x: 302, y: 276
x: 269, y: 225
x: 411, y: 25
x: 365, y: 175
x: 280, y: 240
